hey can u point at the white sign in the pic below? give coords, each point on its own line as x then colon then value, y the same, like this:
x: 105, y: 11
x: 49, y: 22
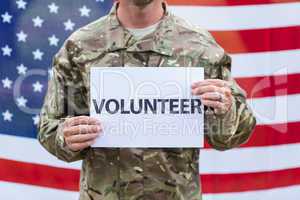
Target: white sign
x: 147, y: 106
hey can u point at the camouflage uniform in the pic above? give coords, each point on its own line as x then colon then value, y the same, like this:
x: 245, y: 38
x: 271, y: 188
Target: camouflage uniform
x: 138, y: 173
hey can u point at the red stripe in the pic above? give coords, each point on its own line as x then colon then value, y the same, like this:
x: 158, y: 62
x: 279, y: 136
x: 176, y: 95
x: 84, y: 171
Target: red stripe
x: 259, y: 40
x: 39, y: 175
x: 225, y: 2
x: 68, y: 179
x: 276, y: 134
x: 268, y: 86
x: 222, y: 183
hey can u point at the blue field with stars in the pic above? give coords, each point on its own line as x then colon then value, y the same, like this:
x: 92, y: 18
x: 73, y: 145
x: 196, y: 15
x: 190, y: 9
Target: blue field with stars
x: 31, y: 34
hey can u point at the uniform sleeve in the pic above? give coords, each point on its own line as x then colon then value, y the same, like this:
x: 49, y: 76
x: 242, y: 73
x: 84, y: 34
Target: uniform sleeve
x: 62, y: 100
x: 234, y: 127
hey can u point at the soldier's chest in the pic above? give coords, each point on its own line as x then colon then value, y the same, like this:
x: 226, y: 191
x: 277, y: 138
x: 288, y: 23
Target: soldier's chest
x: 134, y: 59
x: 139, y: 59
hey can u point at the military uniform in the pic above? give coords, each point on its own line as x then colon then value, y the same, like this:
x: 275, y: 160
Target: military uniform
x: 138, y: 173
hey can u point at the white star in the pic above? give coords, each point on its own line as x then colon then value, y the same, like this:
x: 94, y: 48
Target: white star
x: 21, y: 36
x: 37, y: 21
x: 21, y: 101
x: 36, y: 119
x: 53, y: 8
x: 84, y: 11
x: 7, y: 115
x: 6, y: 17
x: 6, y: 83
x: 21, y: 69
x: 37, y: 54
x: 37, y: 87
x: 6, y: 51
x: 53, y: 40
x: 21, y: 4
x: 69, y: 25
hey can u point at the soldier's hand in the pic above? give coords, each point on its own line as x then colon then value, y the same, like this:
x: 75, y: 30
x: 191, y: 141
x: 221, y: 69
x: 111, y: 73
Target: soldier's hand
x: 81, y: 132
x: 214, y: 93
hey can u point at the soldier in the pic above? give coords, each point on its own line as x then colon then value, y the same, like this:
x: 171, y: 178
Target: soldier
x: 139, y: 33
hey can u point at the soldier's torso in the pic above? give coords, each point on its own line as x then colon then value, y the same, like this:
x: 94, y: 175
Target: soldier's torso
x: 148, y: 174
x: 132, y: 174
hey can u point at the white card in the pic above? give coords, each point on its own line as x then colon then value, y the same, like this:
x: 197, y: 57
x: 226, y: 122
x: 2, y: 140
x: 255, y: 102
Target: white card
x: 147, y: 106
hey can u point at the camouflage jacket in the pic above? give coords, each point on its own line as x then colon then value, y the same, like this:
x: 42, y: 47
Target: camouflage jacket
x: 138, y: 173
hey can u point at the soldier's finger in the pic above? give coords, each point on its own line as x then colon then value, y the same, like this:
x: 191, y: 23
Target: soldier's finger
x: 81, y: 146
x: 82, y: 129
x: 213, y: 104
x: 74, y: 120
x: 80, y: 120
x: 81, y: 138
x: 215, y: 96
x: 204, y: 89
x: 215, y: 82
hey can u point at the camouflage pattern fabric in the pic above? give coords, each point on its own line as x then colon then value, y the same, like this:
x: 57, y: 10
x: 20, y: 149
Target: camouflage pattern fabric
x: 138, y: 173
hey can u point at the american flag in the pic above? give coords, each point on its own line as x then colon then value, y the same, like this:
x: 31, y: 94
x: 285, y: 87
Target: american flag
x: 263, y: 38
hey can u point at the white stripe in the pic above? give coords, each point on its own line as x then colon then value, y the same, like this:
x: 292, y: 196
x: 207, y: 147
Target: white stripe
x: 290, y: 193
x: 250, y: 159
x: 241, y: 17
x: 276, y: 109
x: 266, y: 63
x: 29, y: 150
x: 13, y: 191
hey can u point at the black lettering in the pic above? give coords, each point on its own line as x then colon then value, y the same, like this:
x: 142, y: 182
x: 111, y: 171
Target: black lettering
x: 183, y: 105
x: 153, y: 106
x: 97, y: 108
x: 123, y: 111
x: 163, y: 104
x: 174, y: 104
x: 140, y: 106
x: 196, y: 104
x: 145, y: 106
x: 116, y: 104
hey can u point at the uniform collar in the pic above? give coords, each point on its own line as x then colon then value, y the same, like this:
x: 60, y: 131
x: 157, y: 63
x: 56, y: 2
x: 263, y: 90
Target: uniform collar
x: 160, y: 41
